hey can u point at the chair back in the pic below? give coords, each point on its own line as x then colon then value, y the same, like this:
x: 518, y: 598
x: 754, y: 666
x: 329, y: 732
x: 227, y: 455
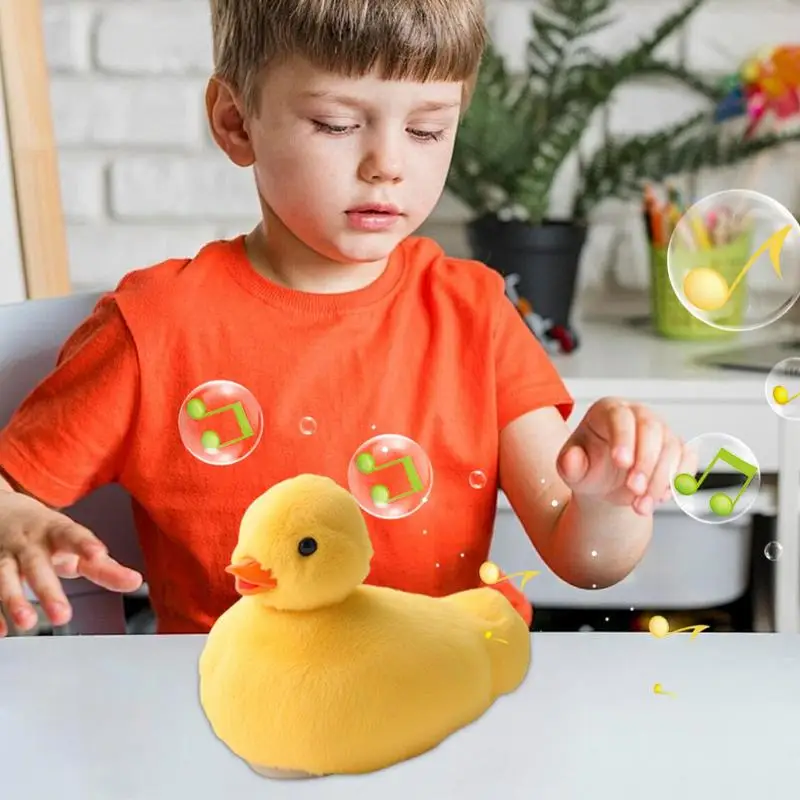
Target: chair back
x: 31, y: 335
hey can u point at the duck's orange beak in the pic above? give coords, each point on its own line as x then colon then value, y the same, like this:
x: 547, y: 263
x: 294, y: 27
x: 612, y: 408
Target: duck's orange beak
x: 251, y: 577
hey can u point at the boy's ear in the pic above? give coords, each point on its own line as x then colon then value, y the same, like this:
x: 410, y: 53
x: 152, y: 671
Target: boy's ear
x: 228, y: 124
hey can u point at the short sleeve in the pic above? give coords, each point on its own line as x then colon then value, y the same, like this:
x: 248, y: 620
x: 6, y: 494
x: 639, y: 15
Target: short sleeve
x: 70, y: 434
x: 526, y: 377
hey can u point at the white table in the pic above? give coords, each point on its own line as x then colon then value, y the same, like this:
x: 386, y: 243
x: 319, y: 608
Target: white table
x: 619, y: 360
x: 117, y: 718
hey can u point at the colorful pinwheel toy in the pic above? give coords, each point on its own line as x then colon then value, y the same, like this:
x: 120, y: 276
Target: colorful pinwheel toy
x: 768, y: 84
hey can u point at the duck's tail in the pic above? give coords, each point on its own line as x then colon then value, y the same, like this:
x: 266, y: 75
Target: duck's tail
x: 507, y: 637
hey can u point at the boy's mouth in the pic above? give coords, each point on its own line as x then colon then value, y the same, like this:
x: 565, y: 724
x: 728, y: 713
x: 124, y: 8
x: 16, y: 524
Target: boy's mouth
x: 369, y: 209
x: 373, y: 216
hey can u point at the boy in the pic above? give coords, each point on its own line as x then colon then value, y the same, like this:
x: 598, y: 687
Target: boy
x: 346, y: 111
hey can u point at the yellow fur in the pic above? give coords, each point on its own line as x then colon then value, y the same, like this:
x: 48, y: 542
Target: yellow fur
x: 308, y: 676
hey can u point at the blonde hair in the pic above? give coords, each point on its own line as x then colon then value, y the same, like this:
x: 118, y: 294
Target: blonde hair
x: 417, y: 40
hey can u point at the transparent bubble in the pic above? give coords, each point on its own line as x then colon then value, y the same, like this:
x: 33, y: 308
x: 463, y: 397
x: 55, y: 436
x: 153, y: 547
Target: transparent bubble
x: 734, y: 260
x: 220, y: 422
x: 782, y: 388
x: 477, y: 480
x: 390, y: 476
x: 718, y: 454
x: 773, y: 551
x: 308, y: 426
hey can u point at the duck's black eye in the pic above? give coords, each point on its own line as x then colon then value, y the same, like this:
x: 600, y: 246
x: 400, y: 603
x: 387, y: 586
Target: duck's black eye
x: 307, y: 546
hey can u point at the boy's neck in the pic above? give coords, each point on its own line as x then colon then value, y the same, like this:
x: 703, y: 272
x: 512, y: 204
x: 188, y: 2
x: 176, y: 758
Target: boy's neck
x: 303, y: 270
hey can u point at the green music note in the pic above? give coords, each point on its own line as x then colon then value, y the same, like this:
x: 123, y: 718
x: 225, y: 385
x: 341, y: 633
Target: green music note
x: 196, y: 409
x: 365, y: 463
x: 720, y: 503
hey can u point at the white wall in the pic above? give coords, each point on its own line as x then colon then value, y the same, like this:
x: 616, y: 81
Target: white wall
x: 141, y: 180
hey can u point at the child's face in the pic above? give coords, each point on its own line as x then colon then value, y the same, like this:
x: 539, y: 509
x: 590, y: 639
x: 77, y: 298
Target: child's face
x: 325, y: 146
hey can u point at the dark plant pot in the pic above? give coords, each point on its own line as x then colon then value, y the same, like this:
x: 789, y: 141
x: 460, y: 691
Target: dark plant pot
x: 546, y: 258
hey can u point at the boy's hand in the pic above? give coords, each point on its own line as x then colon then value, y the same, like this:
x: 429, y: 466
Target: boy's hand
x: 39, y: 545
x: 623, y: 454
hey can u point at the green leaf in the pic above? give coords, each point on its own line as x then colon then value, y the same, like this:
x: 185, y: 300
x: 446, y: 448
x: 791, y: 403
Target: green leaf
x: 521, y: 128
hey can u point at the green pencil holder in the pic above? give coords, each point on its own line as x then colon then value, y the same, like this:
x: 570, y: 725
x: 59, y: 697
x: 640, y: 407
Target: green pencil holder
x: 670, y: 318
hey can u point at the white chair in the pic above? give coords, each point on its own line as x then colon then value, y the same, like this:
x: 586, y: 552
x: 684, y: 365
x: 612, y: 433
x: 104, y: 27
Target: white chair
x: 31, y: 334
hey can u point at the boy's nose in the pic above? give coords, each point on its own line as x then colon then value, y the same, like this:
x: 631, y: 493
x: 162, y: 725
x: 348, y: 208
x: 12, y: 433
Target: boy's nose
x: 381, y: 168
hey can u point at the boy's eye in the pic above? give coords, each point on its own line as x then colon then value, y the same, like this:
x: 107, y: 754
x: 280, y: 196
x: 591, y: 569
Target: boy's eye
x: 342, y: 130
x: 336, y: 130
x: 427, y: 136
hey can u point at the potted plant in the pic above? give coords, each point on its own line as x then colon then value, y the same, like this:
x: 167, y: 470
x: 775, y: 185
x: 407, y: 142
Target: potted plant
x: 521, y: 130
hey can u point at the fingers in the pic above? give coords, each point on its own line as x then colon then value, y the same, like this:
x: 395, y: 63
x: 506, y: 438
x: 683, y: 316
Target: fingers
x: 623, y: 434
x: 65, y: 564
x: 37, y: 568
x: 573, y: 464
x: 70, y: 537
x: 12, y: 597
x: 650, y: 436
x: 108, y: 573
x: 80, y: 554
x: 665, y: 470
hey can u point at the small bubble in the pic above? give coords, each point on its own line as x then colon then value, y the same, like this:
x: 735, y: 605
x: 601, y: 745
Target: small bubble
x: 372, y: 493
x: 373, y: 427
x: 554, y: 503
x: 773, y: 551
x: 437, y: 563
x: 594, y: 553
x: 477, y: 480
x: 462, y: 555
x: 607, y: 619
x: 542, y: 481
x: 210, y: 442
x: 425, y: 532
x: 308, y: 426
x: 594, y: 586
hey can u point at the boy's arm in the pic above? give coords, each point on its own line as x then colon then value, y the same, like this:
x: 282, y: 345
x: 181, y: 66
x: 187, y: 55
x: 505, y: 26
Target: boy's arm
x: 576, y: 493
x: 585, y: 540
x: 67, y: 438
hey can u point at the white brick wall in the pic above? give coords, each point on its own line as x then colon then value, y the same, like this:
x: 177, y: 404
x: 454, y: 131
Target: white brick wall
x: 141, y: 180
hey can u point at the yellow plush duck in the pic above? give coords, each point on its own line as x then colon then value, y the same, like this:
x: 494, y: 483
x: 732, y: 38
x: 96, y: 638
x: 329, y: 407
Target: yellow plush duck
x: 312, y: 673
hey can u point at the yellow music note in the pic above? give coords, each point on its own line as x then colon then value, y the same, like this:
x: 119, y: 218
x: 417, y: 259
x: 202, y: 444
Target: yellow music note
x: 659, y: 627
x: 380, y: 494
x: 210, y: 440
x: 720, y: 503
x: 707, y: 290
x: 780, y: 394
x: 490, y: 574
x: 659, y: 689
x: 490, y: 635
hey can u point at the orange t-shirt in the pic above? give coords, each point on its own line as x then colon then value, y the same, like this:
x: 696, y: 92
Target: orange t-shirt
x: 431, y: 350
